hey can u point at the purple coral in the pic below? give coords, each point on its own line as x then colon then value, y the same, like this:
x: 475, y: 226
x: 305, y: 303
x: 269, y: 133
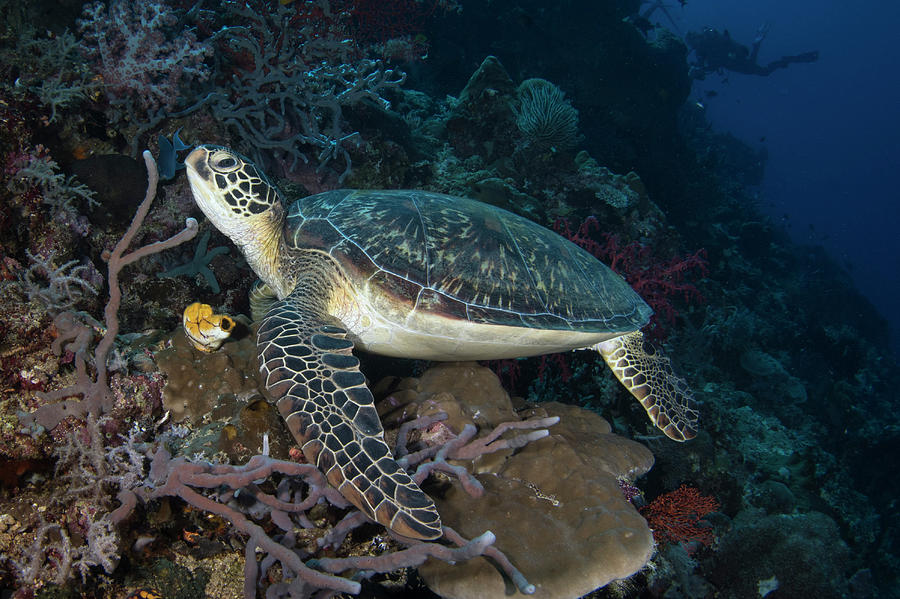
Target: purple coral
x: 242, y: 496
x: 143, y: 58
x: 96, y: 395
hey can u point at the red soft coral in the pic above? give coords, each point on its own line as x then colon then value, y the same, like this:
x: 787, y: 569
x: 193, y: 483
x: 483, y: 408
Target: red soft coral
x: 676, y: 517
x: 656, y: 280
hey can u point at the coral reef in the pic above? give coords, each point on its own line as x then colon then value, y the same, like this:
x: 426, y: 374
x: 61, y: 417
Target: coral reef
x: 96, y: 395
x: 293, y: 75
x: 165, y: 467
x: 556, y: 505
x: 797, y: 553
x: 144, y: 55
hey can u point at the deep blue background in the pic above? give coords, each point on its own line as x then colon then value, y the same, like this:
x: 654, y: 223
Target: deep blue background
x: 831, y: 128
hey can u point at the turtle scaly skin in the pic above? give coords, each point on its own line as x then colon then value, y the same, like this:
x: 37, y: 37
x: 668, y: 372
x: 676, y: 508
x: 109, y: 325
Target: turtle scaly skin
x: 306, y: 360
x: 420, y: 275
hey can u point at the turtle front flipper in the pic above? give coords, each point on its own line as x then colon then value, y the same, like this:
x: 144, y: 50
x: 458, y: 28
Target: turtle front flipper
x: 309, y: 369
x: 649, y: 378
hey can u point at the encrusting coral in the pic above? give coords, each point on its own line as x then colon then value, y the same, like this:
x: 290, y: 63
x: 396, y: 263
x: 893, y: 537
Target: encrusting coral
x: 219, y: 396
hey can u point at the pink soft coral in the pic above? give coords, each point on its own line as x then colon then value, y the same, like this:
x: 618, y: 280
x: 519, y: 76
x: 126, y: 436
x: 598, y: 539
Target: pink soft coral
x: 141, y: 54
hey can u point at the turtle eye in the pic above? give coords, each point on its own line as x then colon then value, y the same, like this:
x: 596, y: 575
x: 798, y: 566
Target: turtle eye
x: 224, y: 162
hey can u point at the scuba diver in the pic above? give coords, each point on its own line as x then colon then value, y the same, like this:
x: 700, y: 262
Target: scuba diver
x: 717, y: 51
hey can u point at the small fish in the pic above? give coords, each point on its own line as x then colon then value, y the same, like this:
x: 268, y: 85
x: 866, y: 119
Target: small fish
x: 206, y: 331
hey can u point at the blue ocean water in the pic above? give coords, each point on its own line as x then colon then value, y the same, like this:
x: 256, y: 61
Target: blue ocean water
x: 830, y: 128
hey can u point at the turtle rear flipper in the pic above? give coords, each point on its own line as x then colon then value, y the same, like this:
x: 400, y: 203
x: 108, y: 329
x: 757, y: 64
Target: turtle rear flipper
x: 309, y: 369
x: 649, y: 378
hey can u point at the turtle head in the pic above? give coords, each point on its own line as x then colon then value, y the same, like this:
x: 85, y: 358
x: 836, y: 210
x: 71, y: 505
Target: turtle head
x: 240, y: 201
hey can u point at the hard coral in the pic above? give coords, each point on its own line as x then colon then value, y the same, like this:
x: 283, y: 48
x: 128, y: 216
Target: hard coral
x: 545, y: 117
x: 482, y: 121
x: 219, y: 398
x: 803, y: 554
x: 197, y: 379
x: 555, y: 505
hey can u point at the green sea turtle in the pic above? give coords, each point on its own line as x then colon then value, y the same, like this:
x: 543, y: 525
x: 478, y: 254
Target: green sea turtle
x: 418, y: 275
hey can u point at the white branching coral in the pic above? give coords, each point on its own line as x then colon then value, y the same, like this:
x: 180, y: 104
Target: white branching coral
x: 57, y: 190
x: 56, y: 287
x: 93, y: 475
x: 49, y: 66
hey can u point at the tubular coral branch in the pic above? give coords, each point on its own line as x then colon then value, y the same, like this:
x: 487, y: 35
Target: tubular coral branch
x: 181, y: 478
x: 176, y: 477
x: 419, y: 423
x: 464, y: 448
x: 413, y: 555
x: 487, y: 443
x: 95, y: 393
x: 501, y: 560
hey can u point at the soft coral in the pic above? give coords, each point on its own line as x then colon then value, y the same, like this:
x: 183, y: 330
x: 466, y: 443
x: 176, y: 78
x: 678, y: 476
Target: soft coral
x: 656, y: 280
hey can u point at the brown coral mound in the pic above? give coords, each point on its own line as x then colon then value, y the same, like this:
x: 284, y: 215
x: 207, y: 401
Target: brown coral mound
x: 196, y: 380
x: 220, y: 397
x: 555, y: 505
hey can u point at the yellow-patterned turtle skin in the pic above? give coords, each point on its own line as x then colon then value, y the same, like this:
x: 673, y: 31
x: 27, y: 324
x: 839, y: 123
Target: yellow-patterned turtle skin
x: 206, y: 331
x: 412, y: 274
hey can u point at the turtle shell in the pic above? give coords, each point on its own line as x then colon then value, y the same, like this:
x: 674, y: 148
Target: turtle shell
x: 463, y: 259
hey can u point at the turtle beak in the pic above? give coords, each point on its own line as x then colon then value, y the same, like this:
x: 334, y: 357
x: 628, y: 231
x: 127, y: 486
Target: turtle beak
x: 196, y: 164
x: 200, y: 177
